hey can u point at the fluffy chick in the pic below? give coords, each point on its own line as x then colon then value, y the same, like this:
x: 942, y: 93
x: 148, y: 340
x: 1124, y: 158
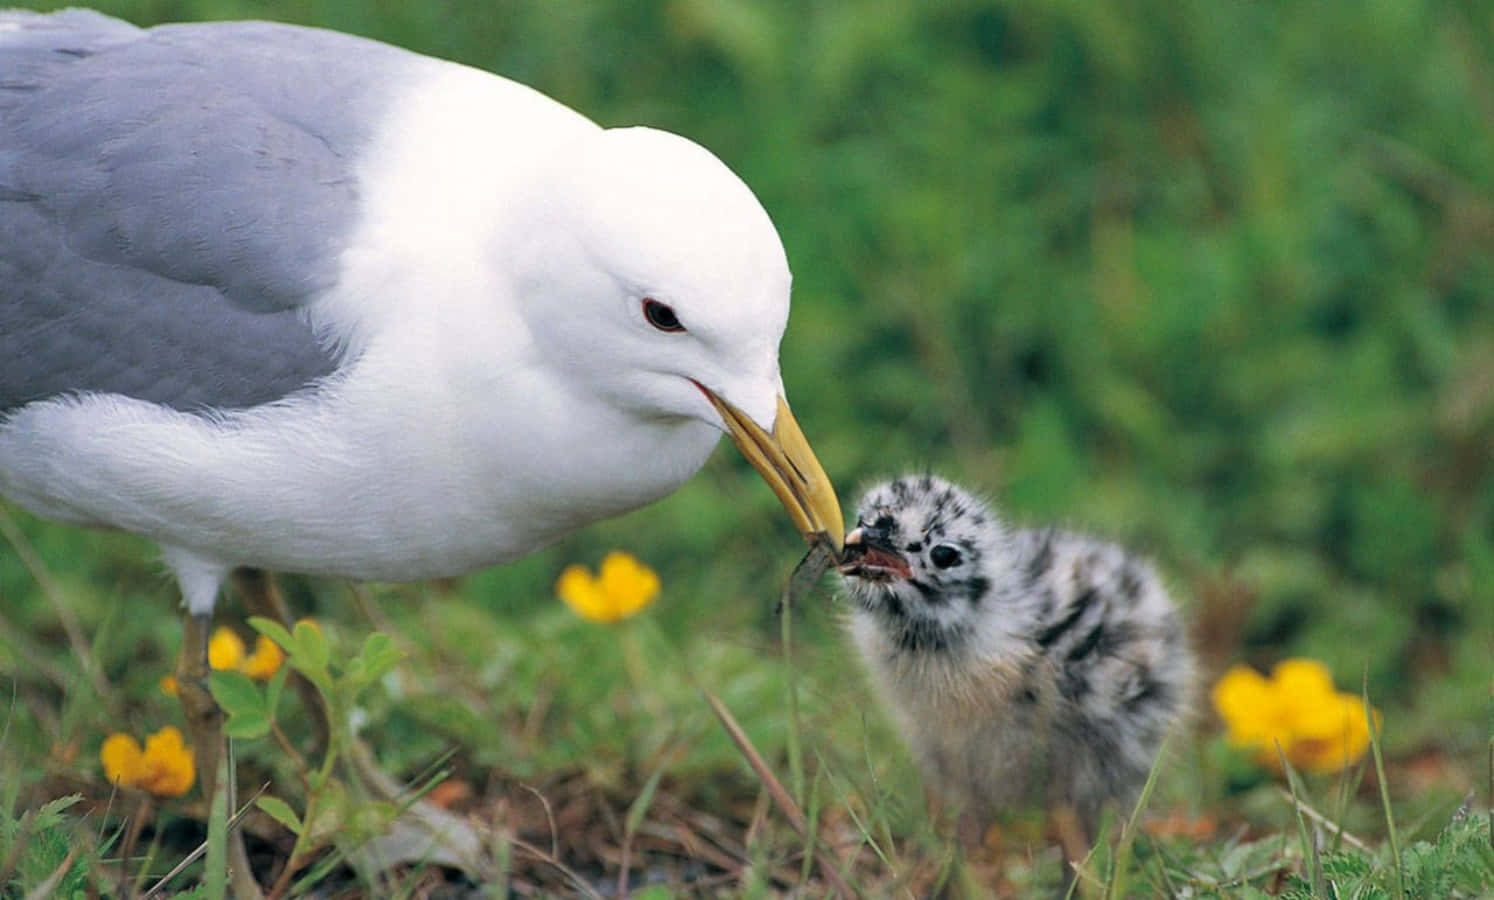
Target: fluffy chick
x: 1024, y: 667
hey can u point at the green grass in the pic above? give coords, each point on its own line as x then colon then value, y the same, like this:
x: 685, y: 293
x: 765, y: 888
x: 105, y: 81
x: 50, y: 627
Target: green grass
x: 572, y: 741
x: 1211, y: 279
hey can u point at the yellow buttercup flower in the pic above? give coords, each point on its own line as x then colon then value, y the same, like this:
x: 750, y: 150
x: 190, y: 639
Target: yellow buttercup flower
x: 1244, y: 699
x: 1336, y: 736
x: 164, y: 766
x: 225, y: 649
x: 622, y: 588
x: 1319, y: 728
x: 121, y: 755
x: 265, y: 661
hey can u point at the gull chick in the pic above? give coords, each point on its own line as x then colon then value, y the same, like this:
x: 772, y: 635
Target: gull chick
x: 1024, y: 667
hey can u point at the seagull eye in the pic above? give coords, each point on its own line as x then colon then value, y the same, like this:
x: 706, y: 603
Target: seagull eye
x: 944, y: 556
x: 661, y: 315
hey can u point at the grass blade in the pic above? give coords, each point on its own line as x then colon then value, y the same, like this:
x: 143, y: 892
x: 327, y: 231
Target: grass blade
x: 202, y: 848
x: 215, y: 869
x: 1310, y: 854
x: 1337, y: 829
x: 1390, y: 833
x: 785, y: 803
x: 795, y: 748
x: 1114, y: 886
x: 636, y: 813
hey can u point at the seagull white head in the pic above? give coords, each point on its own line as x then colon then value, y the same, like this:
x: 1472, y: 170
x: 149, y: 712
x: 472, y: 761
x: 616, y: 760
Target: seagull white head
x: 664, y: 285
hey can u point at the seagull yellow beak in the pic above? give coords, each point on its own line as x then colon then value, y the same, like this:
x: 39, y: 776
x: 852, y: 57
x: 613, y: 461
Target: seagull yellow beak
x: 789, y: 467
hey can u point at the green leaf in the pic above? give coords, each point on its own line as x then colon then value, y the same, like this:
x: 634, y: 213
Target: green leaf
x: 309, y: 649
x: 49, y: 814
x: 247, y: 725
x: 236, y: 694
x: 280, y: 811
x: 378, y: 656
x: 272, y: 630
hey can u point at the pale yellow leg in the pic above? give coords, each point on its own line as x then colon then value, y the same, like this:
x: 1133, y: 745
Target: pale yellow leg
x: 204, y: 718
x: 205, y: 733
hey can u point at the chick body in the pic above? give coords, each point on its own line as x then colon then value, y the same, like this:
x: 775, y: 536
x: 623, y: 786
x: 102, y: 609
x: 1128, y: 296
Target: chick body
x: 1024, y: 667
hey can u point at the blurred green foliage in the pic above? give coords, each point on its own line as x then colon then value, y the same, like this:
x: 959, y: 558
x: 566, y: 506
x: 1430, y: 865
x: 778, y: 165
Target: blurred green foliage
x: 1211, y: 278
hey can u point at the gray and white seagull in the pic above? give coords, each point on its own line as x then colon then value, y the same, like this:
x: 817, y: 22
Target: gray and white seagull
x: 285, y: 298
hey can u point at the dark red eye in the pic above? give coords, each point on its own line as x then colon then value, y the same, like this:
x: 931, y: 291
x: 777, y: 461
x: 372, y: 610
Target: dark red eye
x: 661, y: 315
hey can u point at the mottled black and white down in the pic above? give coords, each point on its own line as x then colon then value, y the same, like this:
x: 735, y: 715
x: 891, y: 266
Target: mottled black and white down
x: 1025, y: 668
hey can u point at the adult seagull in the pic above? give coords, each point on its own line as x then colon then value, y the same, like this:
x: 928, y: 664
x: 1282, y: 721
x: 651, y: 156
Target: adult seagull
x: 284, y: 298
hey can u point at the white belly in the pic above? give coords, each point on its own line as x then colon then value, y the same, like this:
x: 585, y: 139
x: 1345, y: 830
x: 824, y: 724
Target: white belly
x: 385, y: 482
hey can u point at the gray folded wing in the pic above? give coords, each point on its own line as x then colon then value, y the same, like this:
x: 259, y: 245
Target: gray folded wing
x: 170, y: 198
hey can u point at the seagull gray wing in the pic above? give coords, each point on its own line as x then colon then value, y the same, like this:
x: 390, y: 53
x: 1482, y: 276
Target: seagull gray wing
x: 169, y: 200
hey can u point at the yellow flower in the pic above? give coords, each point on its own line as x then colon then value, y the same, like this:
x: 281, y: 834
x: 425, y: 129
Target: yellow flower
x: 225, y: 649
x: 1318, y: 728
x: 121, y: 758
x: 1336, y: 737
x: 623, y: 587
x: 1245, y: 701
x: 226, y: 652
x: 264, y: 661
x: 163, y: 767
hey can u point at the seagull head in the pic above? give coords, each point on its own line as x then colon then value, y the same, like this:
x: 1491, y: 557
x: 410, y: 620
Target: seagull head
x: 653, y: 275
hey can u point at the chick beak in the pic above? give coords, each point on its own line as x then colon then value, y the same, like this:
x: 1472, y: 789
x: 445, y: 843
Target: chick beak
x: 786, y: 462
x: 869, y: 554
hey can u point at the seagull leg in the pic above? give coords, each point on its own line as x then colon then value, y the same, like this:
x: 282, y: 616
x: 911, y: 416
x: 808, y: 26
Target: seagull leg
x: 263, y: 598
x: 204, y: 718
x: 200, y: 581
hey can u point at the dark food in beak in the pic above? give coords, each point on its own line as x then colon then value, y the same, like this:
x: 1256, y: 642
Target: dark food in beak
x: 868, y: 554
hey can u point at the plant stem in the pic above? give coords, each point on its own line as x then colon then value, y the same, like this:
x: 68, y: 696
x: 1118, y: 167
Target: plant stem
x: 1395, y: 844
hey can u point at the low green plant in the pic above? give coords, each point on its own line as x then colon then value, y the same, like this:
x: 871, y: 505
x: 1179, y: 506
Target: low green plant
x: 44, y: 852
x: 330, y: 813
x: 1458, y: 863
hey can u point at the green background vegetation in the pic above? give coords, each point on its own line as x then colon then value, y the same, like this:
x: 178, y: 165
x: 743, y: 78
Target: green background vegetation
x: 1213, y: 279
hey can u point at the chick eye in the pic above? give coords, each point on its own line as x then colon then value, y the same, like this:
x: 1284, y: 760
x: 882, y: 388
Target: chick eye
x: 944, y: 556
x: 661, y: 315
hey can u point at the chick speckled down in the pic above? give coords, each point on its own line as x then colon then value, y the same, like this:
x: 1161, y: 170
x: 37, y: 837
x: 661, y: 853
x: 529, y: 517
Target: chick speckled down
x: 1025, y: 668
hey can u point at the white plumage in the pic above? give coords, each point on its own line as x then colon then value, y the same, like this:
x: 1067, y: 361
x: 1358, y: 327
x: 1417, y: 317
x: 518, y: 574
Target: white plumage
x: 492, y: 379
